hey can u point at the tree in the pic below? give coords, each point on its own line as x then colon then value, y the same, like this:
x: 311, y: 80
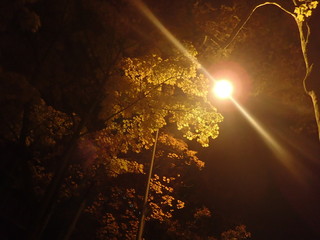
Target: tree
x: 84, y: 87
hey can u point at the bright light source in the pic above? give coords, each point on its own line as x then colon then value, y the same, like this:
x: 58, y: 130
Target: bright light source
x: 223, y: 89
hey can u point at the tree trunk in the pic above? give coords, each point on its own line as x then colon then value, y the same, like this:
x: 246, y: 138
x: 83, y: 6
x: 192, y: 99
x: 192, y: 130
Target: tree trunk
x: 313, y: 55
x: 315, y: 100
x: 310, y: 44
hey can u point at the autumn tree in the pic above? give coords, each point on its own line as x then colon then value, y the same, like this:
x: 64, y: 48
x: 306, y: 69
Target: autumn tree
x: 84, y: 87
x: 117, y: 209
x: 113, y: 211
x: 76, y: 82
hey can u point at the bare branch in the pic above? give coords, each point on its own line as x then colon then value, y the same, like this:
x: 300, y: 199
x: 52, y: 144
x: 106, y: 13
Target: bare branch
x: 241, y: 24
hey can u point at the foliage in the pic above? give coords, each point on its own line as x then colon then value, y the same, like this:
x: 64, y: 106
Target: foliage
x: 166, y: 90
x: 82, y: 96
x: 238, y: 233
x: 118, y: 213
x: 217, y: 22
x: 304, y: 10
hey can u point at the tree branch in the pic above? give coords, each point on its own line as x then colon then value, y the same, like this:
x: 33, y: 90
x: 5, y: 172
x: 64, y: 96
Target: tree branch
x: 242, y: 23
x: 137, y: 100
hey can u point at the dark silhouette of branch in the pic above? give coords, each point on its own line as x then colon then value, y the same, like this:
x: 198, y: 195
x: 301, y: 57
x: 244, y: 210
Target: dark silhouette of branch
x: 244, y: 21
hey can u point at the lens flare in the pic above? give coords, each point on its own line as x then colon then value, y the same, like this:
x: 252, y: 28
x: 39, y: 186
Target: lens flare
x: 279, y: 151
x: 223, y: 89
x: 153, y: 19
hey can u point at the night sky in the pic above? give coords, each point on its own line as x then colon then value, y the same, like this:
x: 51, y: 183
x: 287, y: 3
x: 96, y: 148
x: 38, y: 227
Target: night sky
x: 244, y: 180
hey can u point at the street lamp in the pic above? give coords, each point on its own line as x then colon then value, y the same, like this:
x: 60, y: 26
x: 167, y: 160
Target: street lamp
x: 223, y: 88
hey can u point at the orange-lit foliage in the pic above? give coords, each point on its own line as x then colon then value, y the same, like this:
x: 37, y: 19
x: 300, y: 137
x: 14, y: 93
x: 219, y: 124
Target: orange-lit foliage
x: 239, y: 232
x: 150, y: 92
x: 84, y: 101
x: 122, y: 208
x: 202, y: 212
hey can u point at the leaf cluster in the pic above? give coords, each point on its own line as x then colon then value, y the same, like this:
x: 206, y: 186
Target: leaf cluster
x: 304, y: 10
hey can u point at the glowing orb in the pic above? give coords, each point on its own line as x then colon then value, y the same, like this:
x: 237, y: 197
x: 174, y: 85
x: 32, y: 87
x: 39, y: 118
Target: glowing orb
x: 223, y: 89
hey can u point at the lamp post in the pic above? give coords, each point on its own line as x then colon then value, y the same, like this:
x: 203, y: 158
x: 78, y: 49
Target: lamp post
x: 145, y: 199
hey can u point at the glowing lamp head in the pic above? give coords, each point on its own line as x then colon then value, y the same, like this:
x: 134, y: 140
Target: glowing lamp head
x: 223, y: 89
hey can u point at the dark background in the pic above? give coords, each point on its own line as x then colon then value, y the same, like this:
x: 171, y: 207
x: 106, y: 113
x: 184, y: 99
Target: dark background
x: 244, y: 180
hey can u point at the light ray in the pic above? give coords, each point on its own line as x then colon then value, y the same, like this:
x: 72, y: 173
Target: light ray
x: 284, y: 156
x: 280, y: 153
x: 152, y: 18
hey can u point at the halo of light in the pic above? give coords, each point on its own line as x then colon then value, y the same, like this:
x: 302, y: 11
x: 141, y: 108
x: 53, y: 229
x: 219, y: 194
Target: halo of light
x: 223, y: 89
